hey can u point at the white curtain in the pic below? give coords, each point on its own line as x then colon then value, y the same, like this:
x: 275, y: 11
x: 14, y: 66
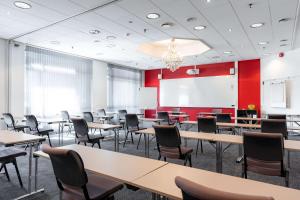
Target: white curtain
x: 123, y: 85
x: 56, y: 82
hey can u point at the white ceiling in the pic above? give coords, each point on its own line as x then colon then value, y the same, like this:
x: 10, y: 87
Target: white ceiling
x: 69, y: 23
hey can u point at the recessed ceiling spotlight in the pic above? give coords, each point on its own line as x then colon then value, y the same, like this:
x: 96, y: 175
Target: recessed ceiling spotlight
x: 94, y: 32
x: 208, y: 1
x: 263, y: 43
x: 153, y: 16
x: 167, y: 25
x: 22, y: 5
x: 283, y: 40
x: 227, y: 52
x: 111, y: 37
x: 283, y: 45
x: 230, y: 29
x: 198, y: 28
x: 130, y: 22
x: 284, y: 20
x: 128, y: 34
x: 257, y: 25
x: 55, y: 42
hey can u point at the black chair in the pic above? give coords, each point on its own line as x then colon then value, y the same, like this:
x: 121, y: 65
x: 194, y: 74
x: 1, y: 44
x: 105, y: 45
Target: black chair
x: 206, y: 125
x: 168, y: 142
x: 10, y: 123
x: 88, y: 116
x: 132, y: 126
x: 271, y: 161
x: 242, y: 113
x: 251, y: 113
x: 74, y: 182
x: 275, y: 116
x: 193, y: 191
x: 165, y: 117
x: 33, y: 124
x: 224, y: 118
x: 121, y: 115
x: 274, y: 126
x: 9, y: 155
x: 66, y: 117
x: 102, y: 115
x: 82, y: 133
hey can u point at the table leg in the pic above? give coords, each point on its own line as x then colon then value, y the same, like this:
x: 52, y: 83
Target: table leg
x: 30, y: 168
x: 289, y: 160
x: 147, y: 146
x: 116, y: 131
x: 219, y: 157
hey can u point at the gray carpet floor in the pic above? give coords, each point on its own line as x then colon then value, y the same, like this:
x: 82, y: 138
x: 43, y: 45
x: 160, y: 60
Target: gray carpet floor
x: 206, y: 161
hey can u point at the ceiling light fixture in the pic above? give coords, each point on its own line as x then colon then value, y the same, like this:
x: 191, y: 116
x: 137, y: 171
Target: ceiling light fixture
x: 22, y: 5
x: 263, y: 43
x: 283, y: 40
x: 94, y: 32
x: 172, y: 59
x: 208, y: 1
x: 199, y: 28
x: 111, y: 37
x: 230, y: 30
x: 257, y: 25
x: 283, y: 45
x: 97, y: 41
x: 227, y: 52
x: 167, y: 25
x: 284, y: 20
x: 191, y: 19
x: 153, y: 16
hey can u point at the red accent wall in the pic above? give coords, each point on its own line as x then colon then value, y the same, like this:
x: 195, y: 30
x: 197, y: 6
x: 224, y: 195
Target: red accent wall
x: 249, y: 84
x: 249, y: 72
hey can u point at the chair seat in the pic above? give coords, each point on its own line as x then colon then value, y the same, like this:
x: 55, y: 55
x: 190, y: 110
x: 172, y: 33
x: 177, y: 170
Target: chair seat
x: 21, y: 127
x: 99, y: 187
x: 43, y: 131
x: 7, y: 153
x: 134, y: 130
x: 96, y: 137
x: 174, y: 152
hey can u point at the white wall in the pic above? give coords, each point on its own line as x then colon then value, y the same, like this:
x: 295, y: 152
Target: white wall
x: 99, y: 85
x: 16, y: 79
x: 3, y: 76
x: 286, y: 68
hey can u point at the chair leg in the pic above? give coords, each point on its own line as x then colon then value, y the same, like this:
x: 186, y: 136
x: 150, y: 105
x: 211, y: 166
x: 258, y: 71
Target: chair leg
x: 85, y: 144
x: 286, y: 179
x: 99, y: 144
x: 126, y: 136
x: 93, y: 145
x: 159, y: 157
x: 137, y: 147
x: 165, y: 159
x: 131, y: 137
x: 18, y: 173
x: 201, y: 147
x: 78, y: 142
x: 6, y: 172
x: 190, y: 159
x: 49, y: 140
x: 197, y: 147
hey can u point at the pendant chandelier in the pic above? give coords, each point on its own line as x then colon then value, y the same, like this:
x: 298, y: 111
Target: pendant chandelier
x: 172, y: 59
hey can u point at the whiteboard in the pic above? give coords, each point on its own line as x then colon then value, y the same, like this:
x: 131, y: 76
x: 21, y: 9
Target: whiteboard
x: 216, y: 91
x: 278, y: 94
x: 147, y: 98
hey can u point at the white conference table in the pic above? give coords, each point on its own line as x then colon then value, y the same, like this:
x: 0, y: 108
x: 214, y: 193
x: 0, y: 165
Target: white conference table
x: 11, y: 138
x: 219, y: 139
x: 162, y: 182
x: 106, y: 127
x: 158, y: 177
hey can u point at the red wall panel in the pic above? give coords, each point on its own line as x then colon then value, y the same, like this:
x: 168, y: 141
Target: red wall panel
x: 249, y: 84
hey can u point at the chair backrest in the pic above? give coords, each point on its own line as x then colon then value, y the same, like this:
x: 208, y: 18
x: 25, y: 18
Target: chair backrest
x: 167, y: 136
x: 223, y: 118
x: 242, y: 113
x: 252, y: 112
x: 207, y: 124
x: 271, y: 116
x: 65, y: 115
x: 88, y: 116
x: 131, y: 121
x: 81, y: 128
x: 32, y: 122
x: 274, y: 126
x: 164, y: 116
x: 67, y: 166
x: 101, y: 112
x: 9, y: 120
x: 193, y: 191
x: 176, y: 110
x: 122, y: 114
x: 216, y: 110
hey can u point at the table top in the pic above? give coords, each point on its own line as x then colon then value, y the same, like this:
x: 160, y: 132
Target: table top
x: 11, y: 138
x: 151, y: 119
x: 211, y: 113
x: 162, y: 181
x: 103, y: 126
x: 259, y: 119
x: 119, y: 166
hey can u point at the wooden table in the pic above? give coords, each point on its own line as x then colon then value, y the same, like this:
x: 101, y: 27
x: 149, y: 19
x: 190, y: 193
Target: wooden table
x: 211, y: 113
x: 106, y: 127
x: 162, y: 182
x: 119, y: 166
x: 219, y: 139
x: 155, y: 120
x: 10, y: 138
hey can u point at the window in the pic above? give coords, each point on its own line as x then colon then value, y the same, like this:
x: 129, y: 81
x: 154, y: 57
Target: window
x: 56, y: 82
x: 123, y: 85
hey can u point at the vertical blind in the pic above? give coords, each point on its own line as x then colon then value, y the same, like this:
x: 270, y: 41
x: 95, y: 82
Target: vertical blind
x: 56, y: 82
x: 123, y: 85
